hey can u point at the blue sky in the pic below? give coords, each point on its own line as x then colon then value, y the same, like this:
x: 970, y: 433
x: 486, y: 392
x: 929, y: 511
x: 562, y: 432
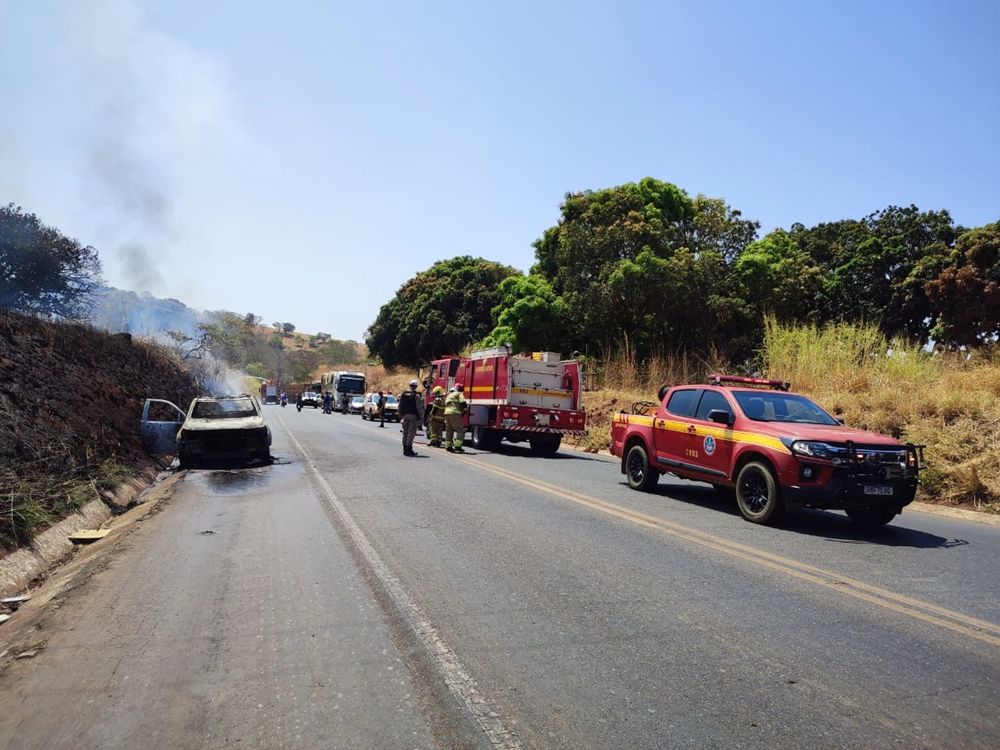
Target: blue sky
x: 302, y: 160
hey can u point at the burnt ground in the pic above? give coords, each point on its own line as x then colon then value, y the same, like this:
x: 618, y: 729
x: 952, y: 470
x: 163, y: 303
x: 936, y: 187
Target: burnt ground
x: 71, y: 399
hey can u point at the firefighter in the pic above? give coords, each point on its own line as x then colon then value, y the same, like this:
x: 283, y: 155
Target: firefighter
x: 411, y: 412
x: 455, y: 406
x: 435, y: 425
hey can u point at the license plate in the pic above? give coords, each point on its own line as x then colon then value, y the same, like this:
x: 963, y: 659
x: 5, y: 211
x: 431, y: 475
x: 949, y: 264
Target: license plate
x: 878, y: 489
x: 509, y: 423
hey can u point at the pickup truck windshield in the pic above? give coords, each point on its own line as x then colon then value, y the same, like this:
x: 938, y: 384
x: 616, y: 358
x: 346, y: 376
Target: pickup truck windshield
x: 230, y: 408
x: 781, y: 407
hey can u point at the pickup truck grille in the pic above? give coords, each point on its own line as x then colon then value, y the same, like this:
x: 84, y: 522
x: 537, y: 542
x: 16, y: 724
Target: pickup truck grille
x: 878, y: 462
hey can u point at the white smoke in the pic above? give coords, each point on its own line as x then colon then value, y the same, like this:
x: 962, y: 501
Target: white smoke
x: 142, y: 119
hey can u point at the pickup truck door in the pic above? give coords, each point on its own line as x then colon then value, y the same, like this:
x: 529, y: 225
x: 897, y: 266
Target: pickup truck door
x: 161, y: 421
x: 671, y: 442
x: 710, y: 440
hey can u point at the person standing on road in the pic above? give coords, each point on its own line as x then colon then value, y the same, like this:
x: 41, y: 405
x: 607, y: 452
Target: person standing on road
x: 455, y: 406
x: 435, y: 425
x: 327, y: 403
x: 380, y: 408
x: 411, y: 412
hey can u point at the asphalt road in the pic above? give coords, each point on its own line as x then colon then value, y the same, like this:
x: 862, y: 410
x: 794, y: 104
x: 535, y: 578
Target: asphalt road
x: 348, y: 597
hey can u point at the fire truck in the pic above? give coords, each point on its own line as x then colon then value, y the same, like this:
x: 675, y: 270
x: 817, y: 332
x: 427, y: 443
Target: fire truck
x: 269, y: 392
x: 532, y: 397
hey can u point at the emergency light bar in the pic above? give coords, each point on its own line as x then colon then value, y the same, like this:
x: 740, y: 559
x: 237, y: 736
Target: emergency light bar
x: 719, y: 379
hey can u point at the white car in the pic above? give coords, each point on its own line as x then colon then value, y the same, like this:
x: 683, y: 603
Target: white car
x: 229, y: 428
x: 370, y: 408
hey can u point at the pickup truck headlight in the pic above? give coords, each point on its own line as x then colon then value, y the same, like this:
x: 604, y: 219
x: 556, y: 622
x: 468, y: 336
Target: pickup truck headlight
x: 812, y: 449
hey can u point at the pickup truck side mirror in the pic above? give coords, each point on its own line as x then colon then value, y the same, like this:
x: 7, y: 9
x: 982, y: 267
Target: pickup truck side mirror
x: 722, y: 417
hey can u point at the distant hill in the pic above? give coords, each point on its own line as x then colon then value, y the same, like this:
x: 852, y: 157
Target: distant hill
x: 142, y: 314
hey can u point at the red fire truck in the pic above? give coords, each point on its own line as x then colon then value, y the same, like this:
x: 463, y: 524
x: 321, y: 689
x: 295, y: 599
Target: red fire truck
x: 515, y: 397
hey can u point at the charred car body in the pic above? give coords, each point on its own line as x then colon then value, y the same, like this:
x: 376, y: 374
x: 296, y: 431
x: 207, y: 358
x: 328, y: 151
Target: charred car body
x: 774, y: 449
x: 213, y: 430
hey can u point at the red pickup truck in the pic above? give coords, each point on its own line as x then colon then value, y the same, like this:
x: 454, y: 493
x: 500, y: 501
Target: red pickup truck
x: 775, y: 449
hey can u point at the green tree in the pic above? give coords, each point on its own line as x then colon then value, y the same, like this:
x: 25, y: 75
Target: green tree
x: 875, y: 269
x: 301, y: 365
x: 43, y: 272
x: 777, y: 277
x: 679, y: 303
x: 965, y: 295
x: 440, y: 310
x: 591, y: 259
x: 529, y: 315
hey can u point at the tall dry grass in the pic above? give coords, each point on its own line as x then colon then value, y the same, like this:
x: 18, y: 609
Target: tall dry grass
x: 949, y: 402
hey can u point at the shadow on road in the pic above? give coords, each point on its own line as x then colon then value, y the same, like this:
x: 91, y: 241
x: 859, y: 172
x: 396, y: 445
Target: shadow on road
x: 839, y: 528
x: 831, y: 525
x: 523, y: 450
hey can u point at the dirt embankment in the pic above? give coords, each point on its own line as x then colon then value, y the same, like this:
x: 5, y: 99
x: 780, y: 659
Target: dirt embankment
x: 70, y: 403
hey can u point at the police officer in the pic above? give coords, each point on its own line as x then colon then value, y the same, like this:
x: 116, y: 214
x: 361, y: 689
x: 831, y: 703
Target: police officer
x: 436, y: 424
x: 411, y: 412
x: 454, y: 407
x: 380, y: 408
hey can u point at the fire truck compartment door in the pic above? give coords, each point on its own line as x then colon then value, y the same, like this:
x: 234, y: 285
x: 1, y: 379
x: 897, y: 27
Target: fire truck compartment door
x: 540, y: 384
x: 479, y: 415
x: 531, y: 374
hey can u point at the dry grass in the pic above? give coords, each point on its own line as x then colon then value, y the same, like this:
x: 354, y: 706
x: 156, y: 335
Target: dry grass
x: 948, y: 402
x: 31, y: 500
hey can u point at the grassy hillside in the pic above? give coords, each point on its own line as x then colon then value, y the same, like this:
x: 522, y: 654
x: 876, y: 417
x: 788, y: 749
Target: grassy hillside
x: 70, y: 403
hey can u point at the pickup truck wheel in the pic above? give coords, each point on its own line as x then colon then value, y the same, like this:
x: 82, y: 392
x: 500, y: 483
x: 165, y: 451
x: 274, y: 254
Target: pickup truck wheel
x: 757, y: 493
x: 641, y: 476
x: 871, y: 518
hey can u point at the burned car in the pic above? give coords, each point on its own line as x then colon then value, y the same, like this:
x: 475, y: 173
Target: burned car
x: 214, y: 430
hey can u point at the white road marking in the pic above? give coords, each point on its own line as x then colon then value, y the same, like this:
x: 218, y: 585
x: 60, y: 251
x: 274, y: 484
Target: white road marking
x: 455, y: 676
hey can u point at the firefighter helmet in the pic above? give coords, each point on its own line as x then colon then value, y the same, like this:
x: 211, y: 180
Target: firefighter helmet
x: 459, y: 387
x: 438, y: 390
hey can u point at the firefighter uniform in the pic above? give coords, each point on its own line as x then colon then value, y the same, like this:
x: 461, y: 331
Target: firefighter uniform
x: 436, y: 423
x: 454, y: 407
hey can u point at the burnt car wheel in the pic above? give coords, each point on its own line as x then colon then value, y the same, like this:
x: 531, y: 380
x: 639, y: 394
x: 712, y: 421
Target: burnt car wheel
x: 871, y: 518
x: 640, y: 475
x: 757, y: 493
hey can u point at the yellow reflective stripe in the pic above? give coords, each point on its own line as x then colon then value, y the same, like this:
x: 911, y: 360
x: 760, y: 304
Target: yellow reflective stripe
x: 540, y: 392
x: 719, y: 433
